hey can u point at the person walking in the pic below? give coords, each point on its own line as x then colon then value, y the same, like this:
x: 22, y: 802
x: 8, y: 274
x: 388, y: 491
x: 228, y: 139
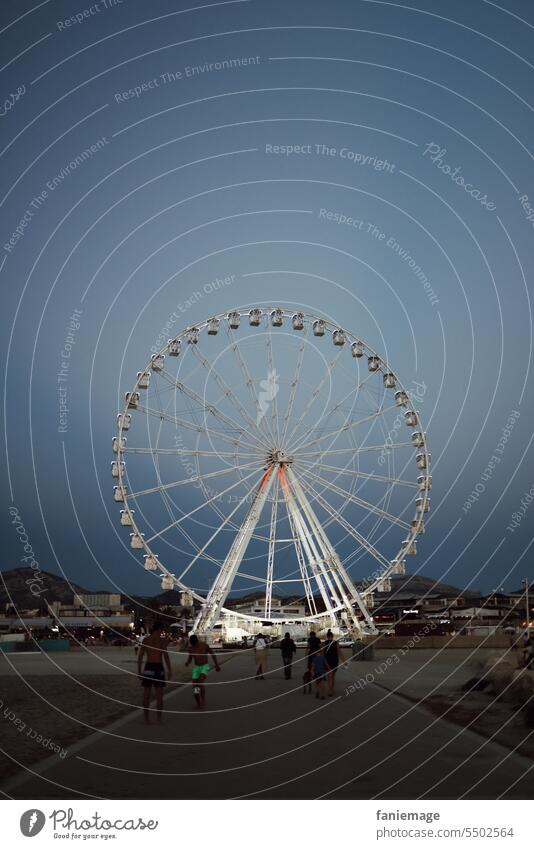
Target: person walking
x: 332, y: 652
x: 314, y: 644
x: 198, y: 656
x: 260, y: 655
x: 321, y: 669
x: 139, y: 643
x: 154, y: 647
x: 288, y: 649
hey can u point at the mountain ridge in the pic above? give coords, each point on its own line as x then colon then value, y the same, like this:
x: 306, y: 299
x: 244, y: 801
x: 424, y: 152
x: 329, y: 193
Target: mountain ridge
x: 15, y: 588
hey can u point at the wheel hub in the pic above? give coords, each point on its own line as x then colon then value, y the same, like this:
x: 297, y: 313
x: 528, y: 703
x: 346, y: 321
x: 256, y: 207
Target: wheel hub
x: 277, y: 457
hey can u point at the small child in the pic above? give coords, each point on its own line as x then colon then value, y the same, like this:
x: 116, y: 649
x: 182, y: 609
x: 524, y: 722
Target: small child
x: 321, y: 669
x: 306, y: 681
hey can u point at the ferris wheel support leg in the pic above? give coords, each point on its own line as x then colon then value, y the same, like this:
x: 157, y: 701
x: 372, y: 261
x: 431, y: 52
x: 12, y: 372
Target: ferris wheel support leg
x: 321, y: 560
x: 271, y: 552
x: 306, y: 541
x: 302, y: 562
x: 218, y: 593
x: 321, y: 576
x: 348, y: 591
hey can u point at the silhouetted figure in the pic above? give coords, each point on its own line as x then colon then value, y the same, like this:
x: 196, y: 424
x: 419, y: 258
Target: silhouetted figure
x: 260, y: 655
x: 314, y: 644
x: 154, y: 648
x: 288, y: 649
x: 320, y: 673
x: 332, y: 652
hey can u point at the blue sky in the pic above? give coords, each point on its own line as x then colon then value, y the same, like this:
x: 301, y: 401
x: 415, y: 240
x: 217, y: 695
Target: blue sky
x: 150, y: 152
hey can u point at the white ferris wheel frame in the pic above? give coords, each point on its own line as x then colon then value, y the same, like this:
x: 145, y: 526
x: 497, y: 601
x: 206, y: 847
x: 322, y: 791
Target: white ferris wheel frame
x: 317, y: 559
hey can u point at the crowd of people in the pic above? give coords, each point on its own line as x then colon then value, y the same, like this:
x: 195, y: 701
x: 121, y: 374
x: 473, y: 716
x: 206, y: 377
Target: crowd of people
x: 322, y: 661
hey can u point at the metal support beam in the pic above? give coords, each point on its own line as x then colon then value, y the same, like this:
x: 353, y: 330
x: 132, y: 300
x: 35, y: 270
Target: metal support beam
x: 305, y: 539
x: 302, y: 564
x: 218, y: 593
x: 350, y: 595
x: 271, y: 553
x: 312, y: 544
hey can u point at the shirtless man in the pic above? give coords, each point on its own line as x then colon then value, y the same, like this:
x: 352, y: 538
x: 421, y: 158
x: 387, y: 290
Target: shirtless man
x: 154, y: 647
x: 198, y: 656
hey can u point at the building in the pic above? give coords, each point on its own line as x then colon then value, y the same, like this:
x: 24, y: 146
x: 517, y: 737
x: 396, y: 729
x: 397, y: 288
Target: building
x: 279, y: 609
x: 105, y: 619
x: 283, y: 611
x: 110, y: 601
x: 497, y: 609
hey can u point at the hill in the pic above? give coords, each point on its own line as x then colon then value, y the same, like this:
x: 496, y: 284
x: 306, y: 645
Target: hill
x: 416, y: 585
x: 421, y: 585
x: 14, y: 587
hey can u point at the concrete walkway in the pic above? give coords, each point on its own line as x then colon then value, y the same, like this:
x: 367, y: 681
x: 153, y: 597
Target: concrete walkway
x: 265, y: 739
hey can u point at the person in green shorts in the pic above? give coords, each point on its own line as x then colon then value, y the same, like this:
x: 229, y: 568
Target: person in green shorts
x: 198, y: 656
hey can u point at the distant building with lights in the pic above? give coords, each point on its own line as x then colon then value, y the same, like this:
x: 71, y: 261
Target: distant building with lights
x: 279, y: 609
x: 108, y: 601
x: 95, y: 615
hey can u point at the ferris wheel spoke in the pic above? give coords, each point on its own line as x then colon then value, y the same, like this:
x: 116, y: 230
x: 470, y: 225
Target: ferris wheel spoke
x: 294, y: 385
x: 193, y: 479
x: 226, y: 520
x: 291, y: 580
x: 344, y: 428
x: 193, y: 372
x: 249, y: 383
x: 361, y: 502
x: 206, y: 408
x: 201, y: 506
x: 391, y: 458
x: 329, y: 452
x: 248, y: 577
x: 206, y: 490
x: 183, y: 532
x: 182, y: 452
x: 176, y: 420
x: 229, y: 393
x: 194, y: 546
x: 270, y: 386
x: 364, y: 475
x: 350, y: 529
x: 156, y: 459
x: 314, y: 395
x: 356, y: 389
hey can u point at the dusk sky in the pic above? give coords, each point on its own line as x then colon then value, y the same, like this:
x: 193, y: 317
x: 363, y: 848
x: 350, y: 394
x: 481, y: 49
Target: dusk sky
x: 365, y: 161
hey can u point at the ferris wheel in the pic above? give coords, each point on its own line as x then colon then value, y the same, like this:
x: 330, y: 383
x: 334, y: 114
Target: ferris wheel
x: 271, y: 452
